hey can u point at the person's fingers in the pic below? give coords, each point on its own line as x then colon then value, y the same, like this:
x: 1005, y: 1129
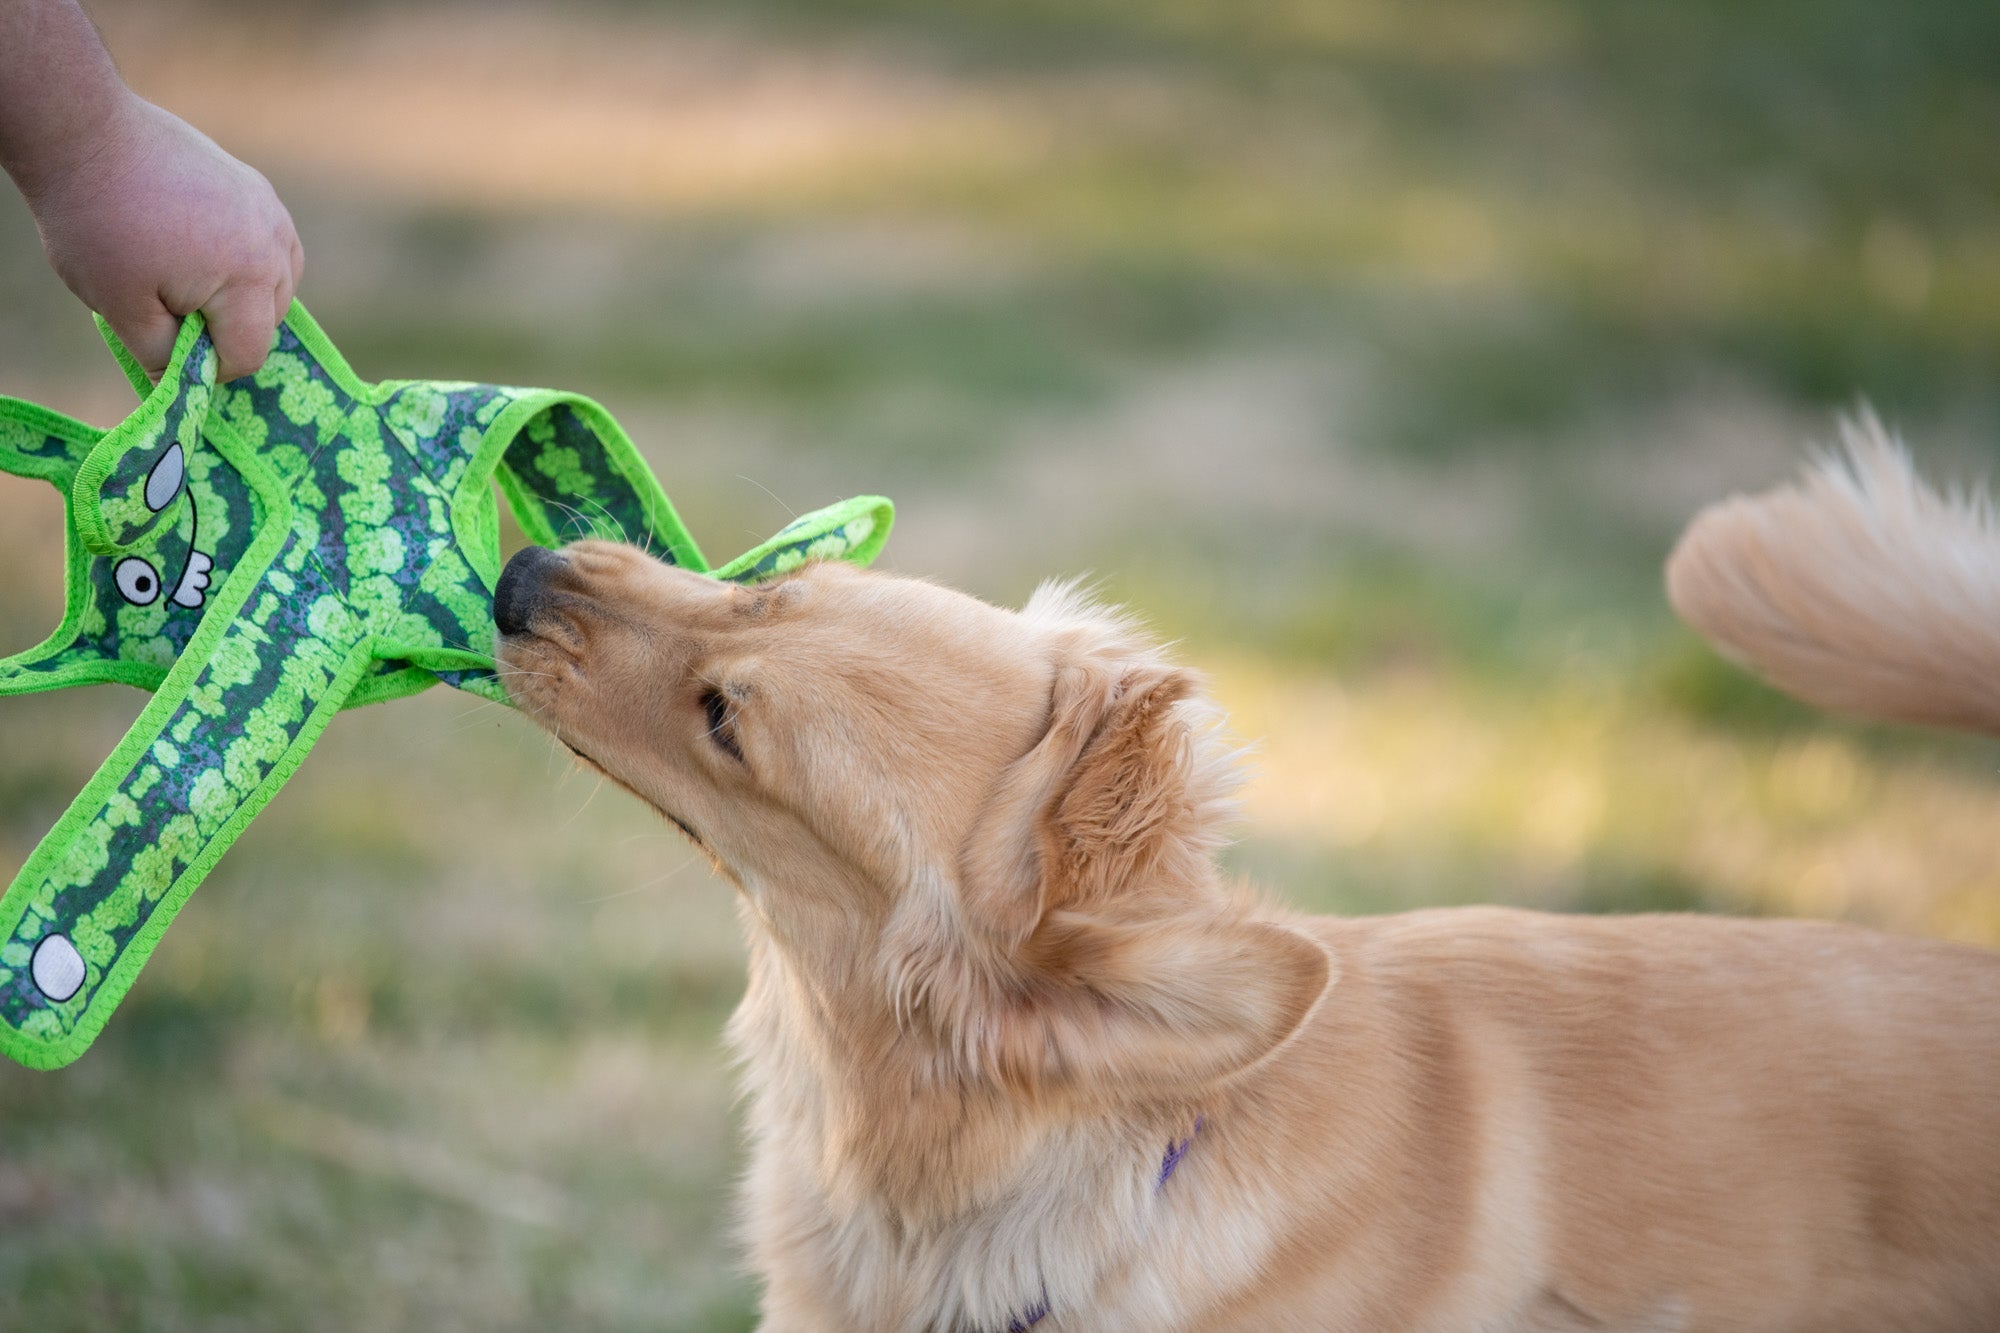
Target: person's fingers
x: 241, y: 321
x: 281, y: 296
x: 298, y: 262
x: 148, y: 334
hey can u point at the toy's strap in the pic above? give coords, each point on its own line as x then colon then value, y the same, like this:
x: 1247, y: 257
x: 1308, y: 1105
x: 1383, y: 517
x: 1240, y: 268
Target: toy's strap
x: 232, y: 720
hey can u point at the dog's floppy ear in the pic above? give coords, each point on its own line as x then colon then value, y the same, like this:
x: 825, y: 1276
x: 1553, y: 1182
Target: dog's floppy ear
x: 1157, y: 1004
x: 1097, y: 803
x: 1090, y: 870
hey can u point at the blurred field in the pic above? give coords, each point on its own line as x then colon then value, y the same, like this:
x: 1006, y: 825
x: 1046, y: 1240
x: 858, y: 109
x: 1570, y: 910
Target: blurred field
x: 1375, y: 351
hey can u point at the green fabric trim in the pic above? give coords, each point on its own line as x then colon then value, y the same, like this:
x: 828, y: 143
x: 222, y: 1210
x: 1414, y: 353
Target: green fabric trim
x: 64, y: 442
x: 142, y: 383
x: 261, y: 554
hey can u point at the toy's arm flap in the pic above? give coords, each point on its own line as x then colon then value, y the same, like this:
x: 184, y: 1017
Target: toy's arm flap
x: 853, y: 530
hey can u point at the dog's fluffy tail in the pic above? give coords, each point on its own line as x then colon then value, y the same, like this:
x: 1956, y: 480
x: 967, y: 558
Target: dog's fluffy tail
x: 1859, y: 588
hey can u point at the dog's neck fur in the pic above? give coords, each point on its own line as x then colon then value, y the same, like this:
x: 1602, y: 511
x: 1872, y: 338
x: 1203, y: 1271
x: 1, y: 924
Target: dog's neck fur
x: 901, y: 1175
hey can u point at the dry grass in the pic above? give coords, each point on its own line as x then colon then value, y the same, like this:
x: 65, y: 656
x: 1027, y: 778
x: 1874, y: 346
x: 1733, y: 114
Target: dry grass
x: 1588, y: 794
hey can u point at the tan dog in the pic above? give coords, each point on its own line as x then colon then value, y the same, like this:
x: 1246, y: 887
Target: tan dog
x: 1017, y: 1056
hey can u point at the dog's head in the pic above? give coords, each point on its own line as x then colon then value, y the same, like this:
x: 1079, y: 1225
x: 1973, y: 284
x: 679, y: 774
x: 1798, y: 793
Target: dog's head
x: 998, y: 825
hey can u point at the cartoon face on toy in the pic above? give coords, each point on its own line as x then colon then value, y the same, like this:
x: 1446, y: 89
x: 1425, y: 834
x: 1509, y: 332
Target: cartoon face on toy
x: 186, y: 518
x: 139, y: 579
x: 143, y: 520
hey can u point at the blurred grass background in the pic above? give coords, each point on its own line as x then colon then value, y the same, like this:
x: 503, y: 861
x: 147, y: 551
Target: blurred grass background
x: 1376, y: 351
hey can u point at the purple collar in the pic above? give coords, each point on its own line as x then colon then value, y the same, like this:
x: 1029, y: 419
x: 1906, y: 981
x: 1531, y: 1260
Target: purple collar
x: 1176, y: 1151
x: 1039, y: 1309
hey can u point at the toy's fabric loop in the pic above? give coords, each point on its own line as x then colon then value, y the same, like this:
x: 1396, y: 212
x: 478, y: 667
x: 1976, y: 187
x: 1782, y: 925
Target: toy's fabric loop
x: 569, y: 472
x: 262, y: 554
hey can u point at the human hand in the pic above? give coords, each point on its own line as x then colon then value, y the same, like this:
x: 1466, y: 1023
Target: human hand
x: 155, y: 221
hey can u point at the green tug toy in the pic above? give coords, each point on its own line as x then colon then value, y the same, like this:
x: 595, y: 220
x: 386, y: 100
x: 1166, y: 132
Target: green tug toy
x: 260, y: 555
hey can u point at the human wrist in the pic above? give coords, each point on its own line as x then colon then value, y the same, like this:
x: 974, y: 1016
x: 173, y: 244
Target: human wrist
x: 91, y: 132
x: 62, y: 103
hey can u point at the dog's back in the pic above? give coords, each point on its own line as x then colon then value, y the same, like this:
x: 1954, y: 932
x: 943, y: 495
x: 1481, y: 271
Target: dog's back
x: 1859, y: 589
x: 1862, y: 589
x: 1690, y: 1122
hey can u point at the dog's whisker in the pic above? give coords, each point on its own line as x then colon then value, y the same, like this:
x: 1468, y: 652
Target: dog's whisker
x: 655, y: 883
x: 590, y: 528
x: 577, y: 813
x: 649, y: 835
x: 617, y: 524
x: 474, y: 716
x: 573, y: 513
x: 768, y: 491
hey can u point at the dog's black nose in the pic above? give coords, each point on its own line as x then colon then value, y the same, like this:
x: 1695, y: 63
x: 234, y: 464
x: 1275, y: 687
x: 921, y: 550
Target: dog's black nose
x: 520, y: 588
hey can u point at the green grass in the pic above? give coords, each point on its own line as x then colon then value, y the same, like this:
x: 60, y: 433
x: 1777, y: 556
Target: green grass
x: 428, y: 1050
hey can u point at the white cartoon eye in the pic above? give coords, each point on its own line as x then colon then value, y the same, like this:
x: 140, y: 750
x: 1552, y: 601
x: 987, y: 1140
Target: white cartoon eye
x: 163, y: 483
x: 138, y: 582
x: 57, y: 968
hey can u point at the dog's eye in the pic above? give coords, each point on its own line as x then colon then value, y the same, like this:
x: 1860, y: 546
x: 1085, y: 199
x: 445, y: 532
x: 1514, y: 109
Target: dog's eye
x: 720, y: 729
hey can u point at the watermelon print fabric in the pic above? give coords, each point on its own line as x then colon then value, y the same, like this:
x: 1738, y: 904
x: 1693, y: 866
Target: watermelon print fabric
x: 260, y: 555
